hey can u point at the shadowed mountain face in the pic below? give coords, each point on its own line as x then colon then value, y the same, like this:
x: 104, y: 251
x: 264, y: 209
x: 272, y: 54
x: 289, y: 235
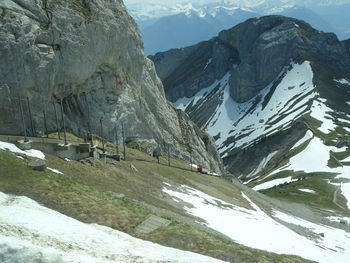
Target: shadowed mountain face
x: 259, y: 87
x: 90, y: 55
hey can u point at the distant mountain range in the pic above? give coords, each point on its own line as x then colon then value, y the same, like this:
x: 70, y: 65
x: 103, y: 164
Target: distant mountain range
x: 174, y: 26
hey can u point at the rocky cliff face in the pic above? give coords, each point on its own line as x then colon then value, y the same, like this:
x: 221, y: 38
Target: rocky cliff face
x: 254, y: 52
x: 259, y: 88
x: 90, y: 55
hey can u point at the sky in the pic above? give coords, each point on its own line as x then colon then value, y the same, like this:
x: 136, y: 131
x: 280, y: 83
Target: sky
x: 128, y: 2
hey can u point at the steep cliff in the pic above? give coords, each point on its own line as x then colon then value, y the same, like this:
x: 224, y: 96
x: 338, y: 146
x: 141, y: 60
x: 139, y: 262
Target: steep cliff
x: 262, y: 89
x: 254, y: 52
x: 90, y: 55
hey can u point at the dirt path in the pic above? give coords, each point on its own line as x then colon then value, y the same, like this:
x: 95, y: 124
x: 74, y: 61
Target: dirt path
x: 335, y: 197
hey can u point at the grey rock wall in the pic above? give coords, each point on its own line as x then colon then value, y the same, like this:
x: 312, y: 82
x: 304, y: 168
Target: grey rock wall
x: 90, y: 55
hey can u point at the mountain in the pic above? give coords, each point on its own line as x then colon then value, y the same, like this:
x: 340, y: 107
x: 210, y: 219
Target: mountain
x: 166, y: 26
x: 49, y: 53
x: 274, y: 93
x: 185, y: 29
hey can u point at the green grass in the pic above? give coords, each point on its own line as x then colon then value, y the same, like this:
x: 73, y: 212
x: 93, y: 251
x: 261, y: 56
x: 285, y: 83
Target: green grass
x: 323, y: 198
x: 87, y: 193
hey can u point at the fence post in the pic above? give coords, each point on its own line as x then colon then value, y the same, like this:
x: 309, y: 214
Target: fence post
x: 45, y: 122
x: 88, y: 113
x: 23, y: 120
x: 123, y: 135
x: 30, y: 118
x: 168, y: 154
x: 191, y: 159
x: 103, y: 145
x: 57, y: 123
x: 64, y: 124
x: 116, y: 140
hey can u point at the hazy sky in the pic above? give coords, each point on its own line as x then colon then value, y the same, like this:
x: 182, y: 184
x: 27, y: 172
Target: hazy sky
x: 168, y: 2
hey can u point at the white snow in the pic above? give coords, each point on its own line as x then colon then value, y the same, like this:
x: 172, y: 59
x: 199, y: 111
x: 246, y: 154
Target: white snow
x: 262, y: 164
x: 321, y: 112
x: 250, y: 120
x: 14, y: 149
x: 348, y: 102
x: 307, y: 137
x: 345, y: 189
x: 274, y: 183
x: 314, y: 158
x: 307, y: 191
x: 184, y: 102
x: 254, y: 228
x: 55, y: 171
x: 33, y: 233
x: 342, y: 81
x: 334, y: 239
x: 209, y: 61
x: 339, y: 219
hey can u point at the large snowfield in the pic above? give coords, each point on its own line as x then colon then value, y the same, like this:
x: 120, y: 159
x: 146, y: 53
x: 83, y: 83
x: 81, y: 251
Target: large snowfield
x: 250, y: 120
x: 30, y: 232
x: 255, y: 228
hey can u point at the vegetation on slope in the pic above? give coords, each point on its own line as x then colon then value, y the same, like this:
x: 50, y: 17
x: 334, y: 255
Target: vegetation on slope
x: 87, y: 191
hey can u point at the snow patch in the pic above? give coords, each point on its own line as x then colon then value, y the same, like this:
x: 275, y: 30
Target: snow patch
x: 321, y: 112
x: 314, y: 158
x: 31, y: 232
x: 209, y: 61
x: 262, y: 164
x: 307, y: 137
x: 254, y: 228
x: 14, y: 149
x: 307, y: 191
x: 55, y: 171
x: 339, y: 219
x: 342, y: 81
x: 273, y: 183
x: 262, y: 115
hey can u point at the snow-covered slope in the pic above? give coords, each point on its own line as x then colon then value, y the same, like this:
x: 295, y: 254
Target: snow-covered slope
x: 292, y: 97
x: 32, y: 233
x: 238, y: 124
x: 255, y: 228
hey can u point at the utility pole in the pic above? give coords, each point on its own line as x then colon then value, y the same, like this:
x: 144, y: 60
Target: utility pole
x: 30, y: 118
x: 116, y: 140
x: 23, y: 120
x: 64, y: 124
x: 88, y: 123
x: 191, y: 158
x: 168, y: 154
x: 57, y: 123
x: 45, y: 122
x: 123, y: 135
x: 101, y: 129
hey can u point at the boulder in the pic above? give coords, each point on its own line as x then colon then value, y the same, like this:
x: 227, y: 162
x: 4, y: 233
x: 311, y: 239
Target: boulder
x: 37, y: 165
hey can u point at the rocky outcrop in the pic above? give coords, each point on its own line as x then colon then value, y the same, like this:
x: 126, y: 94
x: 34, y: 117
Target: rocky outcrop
x: 90, y: 55
x: 254, y: 52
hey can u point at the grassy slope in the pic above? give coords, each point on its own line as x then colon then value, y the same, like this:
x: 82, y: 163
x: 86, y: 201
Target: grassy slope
x: 86, y: 193
x: 337, y: 96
